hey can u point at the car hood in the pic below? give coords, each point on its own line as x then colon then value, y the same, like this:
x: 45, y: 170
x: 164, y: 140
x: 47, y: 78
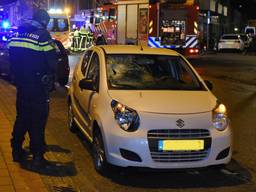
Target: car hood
x: 173, y: 102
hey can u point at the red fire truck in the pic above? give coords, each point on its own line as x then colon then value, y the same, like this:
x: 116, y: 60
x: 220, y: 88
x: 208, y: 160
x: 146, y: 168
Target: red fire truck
x: 157, y: 23
x: 174, y: 24
x: 121, y: 22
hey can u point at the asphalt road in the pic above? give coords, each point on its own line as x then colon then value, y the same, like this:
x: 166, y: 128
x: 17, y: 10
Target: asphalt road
x: 234, y: 80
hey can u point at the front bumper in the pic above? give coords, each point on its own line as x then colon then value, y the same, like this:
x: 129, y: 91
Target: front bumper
x: 138, y: 143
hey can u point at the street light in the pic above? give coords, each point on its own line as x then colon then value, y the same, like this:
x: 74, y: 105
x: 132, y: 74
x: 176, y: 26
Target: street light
x: 67, y: 10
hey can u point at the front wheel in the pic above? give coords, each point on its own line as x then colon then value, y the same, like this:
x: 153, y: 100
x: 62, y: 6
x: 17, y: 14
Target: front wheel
x: 71, y: 123
x: 99, y: 158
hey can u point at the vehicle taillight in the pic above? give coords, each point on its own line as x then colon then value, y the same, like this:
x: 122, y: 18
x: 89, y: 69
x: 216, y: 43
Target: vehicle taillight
x: 192, y: 51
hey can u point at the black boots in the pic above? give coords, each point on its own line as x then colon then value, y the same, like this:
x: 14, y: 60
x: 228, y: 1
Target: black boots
x: 19, y: 156
x: 39, y: 162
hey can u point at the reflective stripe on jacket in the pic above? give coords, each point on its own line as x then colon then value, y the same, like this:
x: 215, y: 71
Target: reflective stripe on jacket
x: 32, y: 53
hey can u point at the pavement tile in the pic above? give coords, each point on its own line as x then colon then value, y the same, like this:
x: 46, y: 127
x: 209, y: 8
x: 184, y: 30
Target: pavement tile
x: 7, y: 188
x: 6, y: 147
x: 4, y: 172
x: 29, y: 175
x: 42, y: 190
x: 18, y: 184
x: 5, y: 181
x: 2, y: 163
x: 6, y: 128
x: 12, y: 177
x: 24, y: 190
x: 8, y: 157
x: 18, y: 180
x: 14, y: 167
x: 34, y: 184
x: 5, y: 138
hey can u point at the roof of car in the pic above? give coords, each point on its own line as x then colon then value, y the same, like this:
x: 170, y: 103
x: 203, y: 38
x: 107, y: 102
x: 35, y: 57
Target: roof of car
x: 231, y: 34
x: 135, y: 49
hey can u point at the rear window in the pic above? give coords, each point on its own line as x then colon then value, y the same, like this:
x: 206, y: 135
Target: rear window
x: 230, y: 37
x: 249, y: 31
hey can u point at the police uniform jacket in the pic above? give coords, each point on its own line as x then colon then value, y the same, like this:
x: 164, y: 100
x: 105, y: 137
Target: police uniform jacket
x: 32, y: 54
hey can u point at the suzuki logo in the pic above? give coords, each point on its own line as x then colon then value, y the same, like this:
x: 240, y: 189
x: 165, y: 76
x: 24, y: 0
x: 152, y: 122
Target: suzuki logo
x: 180, y: 123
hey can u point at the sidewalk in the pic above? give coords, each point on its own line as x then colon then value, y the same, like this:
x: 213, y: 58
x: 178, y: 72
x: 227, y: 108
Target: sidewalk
x: 12, y: 176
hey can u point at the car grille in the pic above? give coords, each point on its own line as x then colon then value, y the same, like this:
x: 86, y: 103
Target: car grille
x: 154, y: 136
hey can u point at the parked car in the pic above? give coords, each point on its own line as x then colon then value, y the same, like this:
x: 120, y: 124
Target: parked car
x: 147, y: 107
x: 63, y: 69
x: 250, y: 30
x: 62, y: 72
x: 4, y: 55
x: 231, y: 42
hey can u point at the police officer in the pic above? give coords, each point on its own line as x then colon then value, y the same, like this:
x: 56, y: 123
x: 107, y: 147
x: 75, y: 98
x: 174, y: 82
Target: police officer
x: 33, y: 61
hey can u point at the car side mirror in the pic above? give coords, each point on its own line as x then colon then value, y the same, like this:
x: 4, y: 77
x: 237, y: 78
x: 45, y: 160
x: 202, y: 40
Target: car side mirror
x: 208, y: 84
x: 86, y: 84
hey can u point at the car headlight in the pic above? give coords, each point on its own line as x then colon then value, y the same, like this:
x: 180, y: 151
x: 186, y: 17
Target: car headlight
x: 220, y: 119
x: 127, y: 118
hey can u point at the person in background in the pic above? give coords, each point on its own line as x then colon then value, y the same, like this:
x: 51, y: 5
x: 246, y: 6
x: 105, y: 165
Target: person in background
x: 83, y: 38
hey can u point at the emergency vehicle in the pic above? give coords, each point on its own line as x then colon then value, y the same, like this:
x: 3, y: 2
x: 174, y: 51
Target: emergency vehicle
x: 119, y: 22
x: 169, y: 24
x: 174, y: 24
x: 59, y: 26
x: 250, y: 29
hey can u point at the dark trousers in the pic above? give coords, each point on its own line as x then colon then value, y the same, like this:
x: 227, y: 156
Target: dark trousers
x: 32, y: 108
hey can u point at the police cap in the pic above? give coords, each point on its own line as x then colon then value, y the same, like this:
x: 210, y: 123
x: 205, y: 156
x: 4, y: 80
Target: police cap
x: 41, y: 16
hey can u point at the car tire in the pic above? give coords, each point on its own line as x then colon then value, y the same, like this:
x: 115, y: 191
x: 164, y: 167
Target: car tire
x: 71, y: 123
x: 98, y: 152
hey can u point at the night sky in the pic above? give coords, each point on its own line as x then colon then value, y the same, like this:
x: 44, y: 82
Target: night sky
x: 246, y: 7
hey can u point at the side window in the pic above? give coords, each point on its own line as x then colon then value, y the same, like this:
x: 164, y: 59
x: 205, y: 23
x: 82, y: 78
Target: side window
x: 93, y: 71
x: 112, y: 14
x: 86, y: 60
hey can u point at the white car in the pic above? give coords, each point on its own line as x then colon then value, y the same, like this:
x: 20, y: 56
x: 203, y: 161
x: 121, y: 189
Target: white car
x: 147, y: 107
x: 231, y: 42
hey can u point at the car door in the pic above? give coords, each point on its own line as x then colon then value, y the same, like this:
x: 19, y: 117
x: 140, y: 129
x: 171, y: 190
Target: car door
x: 85, y: 96
x: 63, y: 68
x: 79, y: 74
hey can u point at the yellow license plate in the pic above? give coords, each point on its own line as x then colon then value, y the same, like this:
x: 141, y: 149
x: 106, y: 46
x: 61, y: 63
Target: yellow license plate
x: 180, y: 145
